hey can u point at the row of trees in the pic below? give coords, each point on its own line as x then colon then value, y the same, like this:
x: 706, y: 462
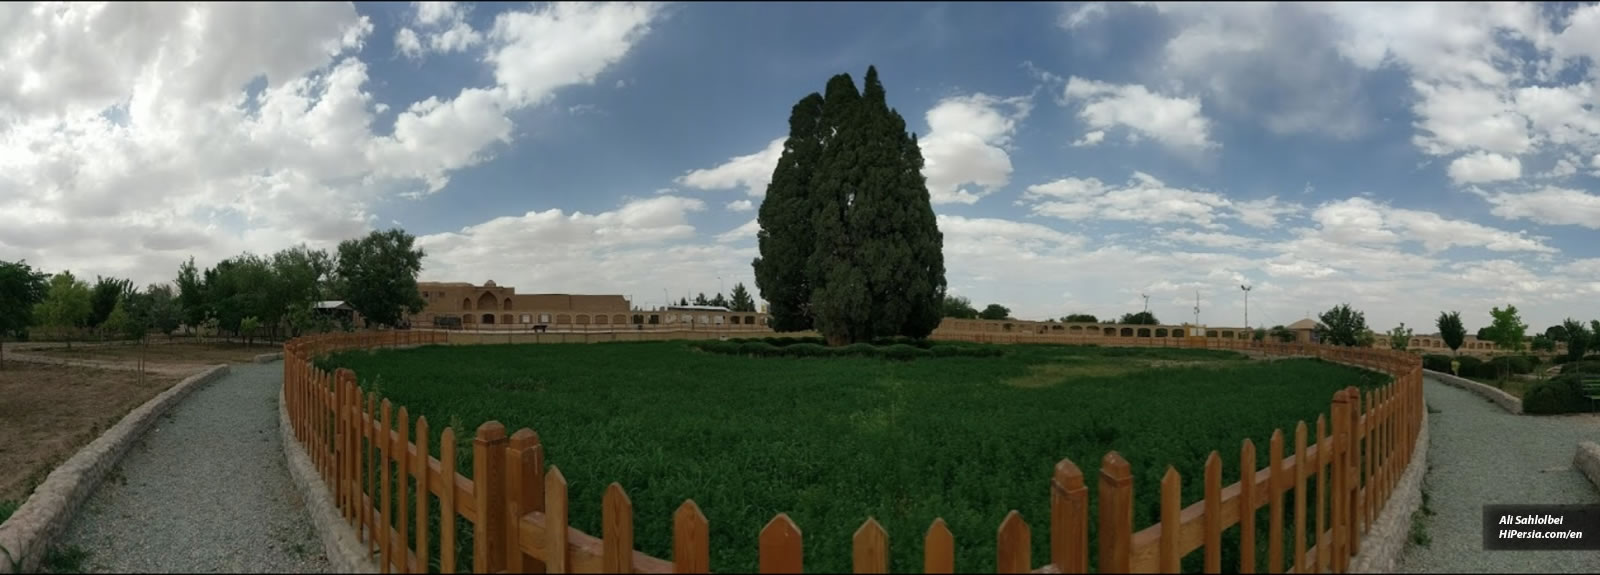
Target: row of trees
x: 242, y: 295
x: 738, y: 300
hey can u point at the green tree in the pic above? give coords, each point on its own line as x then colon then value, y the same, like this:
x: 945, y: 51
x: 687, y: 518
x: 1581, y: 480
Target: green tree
x: 1282, y: 334
x: 1260, y: 334
x: 995, y: 311
x: 1579, y: 340
x: 117, y: 321
x: 959, y: 307
x: 720, y: 301
x: 741, y: 300
x: 701, y: 299
x: 1451, y: 330
x: 1139, y: 318
x: 162, y: 308
x: 380, y: 274
x: 191, y: 295
x: 875, y: 263
x: 249, y: 325
x: 66, y: 304
x: 1485, y: 333
x: 21, y: 288
x: 1342, y: 325
x: 1080, y: 318
x: 105, y: 294
x: 1556, y: 333
x: 1400, y: 337
x: 1366, y: 338
x: 683, y: 301
x: 1507, y: 333
x: 1542, y: 342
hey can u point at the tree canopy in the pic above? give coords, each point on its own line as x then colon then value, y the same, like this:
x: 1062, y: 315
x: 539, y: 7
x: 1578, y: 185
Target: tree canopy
x: 849, y: 243
x: 1139, y: 318
x: 1451, y: 330
x: 379, y: 274
x: 1342, y: 325
x: 1080, y: 318
x: 21, y: 288
x: 1579, y: 340
x: 995, y: 311
x: 66, y: 303
x: 740, y: 299
x: 959, y: 307
x: 1400, y: 337
x: 1507, y: 331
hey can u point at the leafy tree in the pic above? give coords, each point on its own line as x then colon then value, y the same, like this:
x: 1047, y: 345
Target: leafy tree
x: 959, y: 307
x: 1080, y: 318
x: 118, y: 322
x: 1342, y: 325
x: 741, y: 300
x: 104, y: 296
x: 302, y: 277
x: 1451, y: 330
x: 1508, y: 332
x: 995, y: 311
x: 249, y: 325
x: 1139, y: 318
x: 849, y: 242
x: 191, y: 295
x: 380, y: 275
x: 1542, y: 342
x: 162, y: 308
x: 720, y: 301
x: 701, y: 299
x: 1366, y: 338
x: 683, y: 301
x: 1485, y: 333
x: 66, y: 304
x: 1259, y: 334
x: 1579, y: 340
x: 1400, y: 337
x: 1282, y: 334
x: 21, y: 288
x: 1556, y: 333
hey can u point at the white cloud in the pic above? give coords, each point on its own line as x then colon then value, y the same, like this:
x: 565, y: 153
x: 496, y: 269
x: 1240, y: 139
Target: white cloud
x: 1211, y: 239
x: 138, y: 148
x: 1090, y: 139
x: 408, y: 43
x: 752, y: 172
x: 1143, y: 199
x: 562, y: 44
x: 1359, y: 221
x: 966, y: 143
x: 1482, y: 167
x: 1264, y: 213
x: 444, y: 30
x: 746, y: 231
x: 1549, y: 205
x: 1177, y: 123
x: 1087, y: 13
x: 740, y: 206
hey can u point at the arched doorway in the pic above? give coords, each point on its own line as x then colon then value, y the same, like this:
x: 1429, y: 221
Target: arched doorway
x: 488, y: 318
x: 487, y: 301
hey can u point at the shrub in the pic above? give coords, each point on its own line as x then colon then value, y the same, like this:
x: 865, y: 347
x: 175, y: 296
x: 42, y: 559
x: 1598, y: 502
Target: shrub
x: 1563, y: 394
x: 856, y: 350
x: 1469, y: 365
x: 945, y: 351
x: 759, y: 349
x: 1589, y: 366
x: 1439, y: 363
x: 807, y: 350
x: 904, y: 352
x: 1518, y: 365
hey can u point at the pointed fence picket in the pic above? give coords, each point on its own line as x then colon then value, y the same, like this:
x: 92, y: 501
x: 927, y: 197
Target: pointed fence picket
x: 383, y: 476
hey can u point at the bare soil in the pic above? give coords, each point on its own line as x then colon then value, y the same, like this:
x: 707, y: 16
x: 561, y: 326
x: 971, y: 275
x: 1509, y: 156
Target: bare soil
x: 48, y: 412
x: 186, y: 354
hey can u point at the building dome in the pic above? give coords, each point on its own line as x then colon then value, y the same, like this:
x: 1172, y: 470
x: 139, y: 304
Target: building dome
x: 488, y: 284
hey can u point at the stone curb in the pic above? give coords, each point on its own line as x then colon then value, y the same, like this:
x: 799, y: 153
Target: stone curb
x: 340, y: 542
x: 1386, y: 540
x: 267, y: 357
x: 47, y: 512
x: 1505, y: 400
x: 1587, y: 460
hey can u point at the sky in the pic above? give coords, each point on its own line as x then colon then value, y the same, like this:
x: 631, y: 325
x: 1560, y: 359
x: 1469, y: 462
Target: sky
x: 1403, y: 158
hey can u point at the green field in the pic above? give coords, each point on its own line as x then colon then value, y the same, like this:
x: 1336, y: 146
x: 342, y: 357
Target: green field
x: 833, y: 441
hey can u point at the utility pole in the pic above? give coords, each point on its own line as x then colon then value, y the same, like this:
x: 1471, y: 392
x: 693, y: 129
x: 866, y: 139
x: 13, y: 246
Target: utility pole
x: 666, y: 299
x: 1146, y: 302
x: 1246, y: 305
x: 1197, y: 308
x: 719, y: 284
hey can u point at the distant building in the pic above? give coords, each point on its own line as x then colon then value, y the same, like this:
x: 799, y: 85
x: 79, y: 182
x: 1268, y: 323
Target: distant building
x: 474, y: 306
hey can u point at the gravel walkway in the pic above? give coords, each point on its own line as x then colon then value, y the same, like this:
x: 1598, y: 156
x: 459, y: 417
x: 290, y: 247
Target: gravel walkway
x: 206, y: 490
x: 1480, y: 455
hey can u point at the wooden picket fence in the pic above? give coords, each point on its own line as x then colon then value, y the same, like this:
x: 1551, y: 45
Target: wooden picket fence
x: 518, y: 508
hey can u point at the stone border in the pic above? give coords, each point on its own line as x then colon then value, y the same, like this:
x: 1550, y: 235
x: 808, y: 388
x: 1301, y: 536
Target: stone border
x: 1386, y: 539
x: 340, y: 542
x: 1587, y: 460
x: 1506, y: 401
x: 267, y: 357
x: 44, y: 516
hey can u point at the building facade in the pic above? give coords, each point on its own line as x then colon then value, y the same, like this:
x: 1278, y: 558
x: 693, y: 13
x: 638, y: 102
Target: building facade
x: 450, y: 304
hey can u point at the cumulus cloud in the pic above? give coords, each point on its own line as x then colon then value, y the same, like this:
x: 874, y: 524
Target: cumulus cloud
x: 1549, y: 205
x: 1175, y: 122
x: 740, y: 206
x: 751, y: 171
x: 444, y: 29
x: 1359, y: 221
x: 1481, y: 167
x: 1149, y: 200
x: 966, y: 143
x: 120, y: 155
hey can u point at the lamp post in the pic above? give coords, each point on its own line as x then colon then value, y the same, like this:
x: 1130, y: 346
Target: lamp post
x: 1246, y: 305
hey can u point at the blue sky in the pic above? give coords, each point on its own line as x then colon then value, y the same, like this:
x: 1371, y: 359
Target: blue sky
x: 1404, y: 158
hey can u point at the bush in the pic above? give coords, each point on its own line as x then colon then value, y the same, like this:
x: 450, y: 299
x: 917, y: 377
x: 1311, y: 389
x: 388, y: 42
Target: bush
x: 807, y: 350
x: 811, y: 347
x: 904, y: 352
x: 1589, y: 366
x: 1518, y: 365
x: 1470, y: 365
x: 1439, y: 363
x: 759, y: 349
x: 856, y: 350
x: 1562, y: 394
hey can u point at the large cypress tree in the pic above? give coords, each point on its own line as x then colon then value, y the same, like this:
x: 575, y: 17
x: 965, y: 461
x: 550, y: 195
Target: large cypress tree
x: 848, y: 218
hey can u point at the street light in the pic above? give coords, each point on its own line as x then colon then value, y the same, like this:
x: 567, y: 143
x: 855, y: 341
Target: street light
x: 1246, y: 305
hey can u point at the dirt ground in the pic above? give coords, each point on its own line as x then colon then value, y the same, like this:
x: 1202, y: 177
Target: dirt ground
x: 185, y: 354
x: 48, y: 412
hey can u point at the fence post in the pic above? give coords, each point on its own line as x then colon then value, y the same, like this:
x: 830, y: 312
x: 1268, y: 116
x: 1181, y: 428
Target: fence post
x: 1116, y: 514
x: 1341, y: 439
x: 1353, y: 521
x: 525, y: 493
x: 489, y: 488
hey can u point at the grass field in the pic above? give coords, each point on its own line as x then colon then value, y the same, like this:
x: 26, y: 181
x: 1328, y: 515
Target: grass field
x: 833, y: 441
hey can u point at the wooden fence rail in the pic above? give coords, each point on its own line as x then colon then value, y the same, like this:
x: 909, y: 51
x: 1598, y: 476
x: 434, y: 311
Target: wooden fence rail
x: 518, y: 506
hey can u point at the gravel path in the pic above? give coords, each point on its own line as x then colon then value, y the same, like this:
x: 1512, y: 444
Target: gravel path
x: 1480, y: 455
x: 206, y: 490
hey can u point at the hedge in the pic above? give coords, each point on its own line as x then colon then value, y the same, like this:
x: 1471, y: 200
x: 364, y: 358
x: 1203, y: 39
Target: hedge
x: 894, y: 349
x: 1561, y: 394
